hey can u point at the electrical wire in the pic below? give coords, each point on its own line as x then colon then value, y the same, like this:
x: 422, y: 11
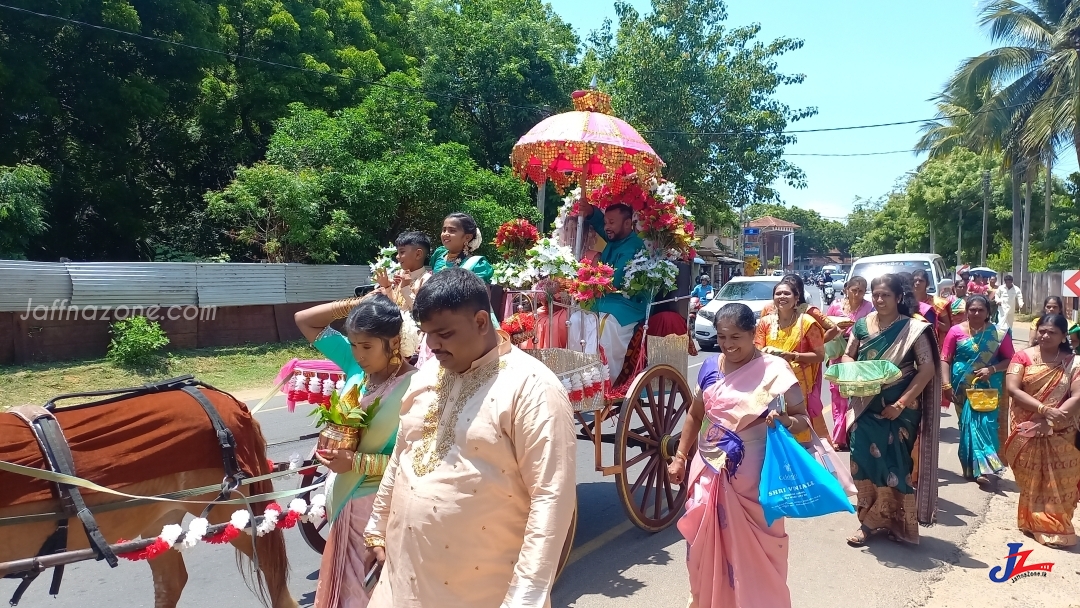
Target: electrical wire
x: 539, y: 109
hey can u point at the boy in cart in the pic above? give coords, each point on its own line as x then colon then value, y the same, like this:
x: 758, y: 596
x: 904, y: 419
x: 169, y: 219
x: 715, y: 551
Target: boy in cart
x: 413, y: 249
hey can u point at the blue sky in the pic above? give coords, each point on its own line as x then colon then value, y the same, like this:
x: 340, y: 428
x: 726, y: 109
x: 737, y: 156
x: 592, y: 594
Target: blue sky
x: 866, y: 62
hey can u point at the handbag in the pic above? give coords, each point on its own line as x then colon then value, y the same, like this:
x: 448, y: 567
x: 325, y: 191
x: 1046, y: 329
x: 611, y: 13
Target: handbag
x: 983, y: 399
x: 794, y: 484
x: 833, y: 463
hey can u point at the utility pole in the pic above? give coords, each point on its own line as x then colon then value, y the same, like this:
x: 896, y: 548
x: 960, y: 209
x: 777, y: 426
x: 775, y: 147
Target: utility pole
x: 986, y: 214
x: 541, y: 199
x: 933, y: 248
x: 1017, y: 213
x: 960, y: 239
x: 1025, y: 252
x: 1048, y: 195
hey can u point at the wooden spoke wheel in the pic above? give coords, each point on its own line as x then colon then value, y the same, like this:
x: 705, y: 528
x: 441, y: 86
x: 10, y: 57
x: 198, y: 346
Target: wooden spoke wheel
x: 568, y: 546
x: 314, y: 534
x: 648, y: 436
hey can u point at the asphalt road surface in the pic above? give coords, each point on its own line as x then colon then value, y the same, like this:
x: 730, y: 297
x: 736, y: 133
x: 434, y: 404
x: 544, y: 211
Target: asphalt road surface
x: 613, y: 563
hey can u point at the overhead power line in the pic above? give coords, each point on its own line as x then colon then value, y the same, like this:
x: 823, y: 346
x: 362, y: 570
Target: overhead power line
x: 539, y: 109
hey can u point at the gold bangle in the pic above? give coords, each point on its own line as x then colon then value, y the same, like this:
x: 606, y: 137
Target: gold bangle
x: 374, y: 541
x: 342, y: 308
x: 680, y: 456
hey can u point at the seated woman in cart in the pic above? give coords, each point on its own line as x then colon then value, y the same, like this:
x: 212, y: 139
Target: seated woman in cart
x: 619, y: 315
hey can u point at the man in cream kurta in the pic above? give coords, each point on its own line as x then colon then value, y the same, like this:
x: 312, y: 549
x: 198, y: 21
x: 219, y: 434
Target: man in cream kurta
x: 477, y: 500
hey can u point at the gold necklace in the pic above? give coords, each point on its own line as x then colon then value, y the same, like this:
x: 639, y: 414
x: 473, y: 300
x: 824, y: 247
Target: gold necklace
x: 433, y: 445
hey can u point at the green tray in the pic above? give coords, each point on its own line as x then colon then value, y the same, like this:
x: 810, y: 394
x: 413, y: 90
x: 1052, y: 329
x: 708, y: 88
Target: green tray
x: 862, y: 378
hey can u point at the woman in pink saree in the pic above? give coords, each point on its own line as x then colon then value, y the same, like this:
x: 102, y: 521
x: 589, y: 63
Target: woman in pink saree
x: 734, y: 559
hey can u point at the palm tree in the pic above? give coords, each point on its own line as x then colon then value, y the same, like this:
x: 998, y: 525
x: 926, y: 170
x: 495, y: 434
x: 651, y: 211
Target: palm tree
x: 960, y: 123
x: 1038, y: 72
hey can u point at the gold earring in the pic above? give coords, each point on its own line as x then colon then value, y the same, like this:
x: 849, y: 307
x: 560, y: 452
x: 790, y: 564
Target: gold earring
x: 395, y: 360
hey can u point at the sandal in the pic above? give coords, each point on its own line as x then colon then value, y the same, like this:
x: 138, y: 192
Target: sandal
x: 859, y: 538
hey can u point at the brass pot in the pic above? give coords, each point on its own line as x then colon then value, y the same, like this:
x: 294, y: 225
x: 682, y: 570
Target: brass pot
x: 339, y: 437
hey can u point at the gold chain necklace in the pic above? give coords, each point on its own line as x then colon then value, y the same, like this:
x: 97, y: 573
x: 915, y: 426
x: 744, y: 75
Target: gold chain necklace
x: 434, y: 445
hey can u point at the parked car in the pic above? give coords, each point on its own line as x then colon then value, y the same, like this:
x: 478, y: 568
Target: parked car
x: 755, y: 292
x: 874, y: 266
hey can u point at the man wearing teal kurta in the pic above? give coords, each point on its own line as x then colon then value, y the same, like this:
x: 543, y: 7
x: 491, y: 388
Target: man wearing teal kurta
x: 619, y: 315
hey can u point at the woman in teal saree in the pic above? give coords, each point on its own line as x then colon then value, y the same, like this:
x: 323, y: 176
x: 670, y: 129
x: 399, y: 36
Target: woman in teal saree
x: 894, y: 434
x: 974, y: 356
x: 374, y: 358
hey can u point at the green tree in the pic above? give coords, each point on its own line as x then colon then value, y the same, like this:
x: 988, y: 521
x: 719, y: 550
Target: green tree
x: 893, y: 228
x: 23, y: 192
x: 336, y: 186
x: 135, y: 130
x: 944, y: 186
x: 490, y: 64
x: 703, y: 94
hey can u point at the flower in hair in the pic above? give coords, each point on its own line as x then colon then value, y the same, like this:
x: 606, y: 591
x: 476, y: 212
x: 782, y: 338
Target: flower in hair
x: 410, y: 335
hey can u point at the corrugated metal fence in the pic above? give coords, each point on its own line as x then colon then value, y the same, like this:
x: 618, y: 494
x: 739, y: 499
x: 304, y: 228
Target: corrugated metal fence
x: 172, y: 284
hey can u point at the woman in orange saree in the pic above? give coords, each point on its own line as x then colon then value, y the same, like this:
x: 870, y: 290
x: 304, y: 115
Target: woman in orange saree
x: 1044, y: 383
x: 796, y: 337
x: 734, y: 559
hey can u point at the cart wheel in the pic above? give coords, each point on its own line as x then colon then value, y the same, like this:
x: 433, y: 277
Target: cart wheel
x: 314, y: 534
x: 568, y: 546
x: 648, y: 437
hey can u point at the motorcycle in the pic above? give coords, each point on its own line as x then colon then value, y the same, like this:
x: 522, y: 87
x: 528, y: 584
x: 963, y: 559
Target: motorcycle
x: 829, y: 293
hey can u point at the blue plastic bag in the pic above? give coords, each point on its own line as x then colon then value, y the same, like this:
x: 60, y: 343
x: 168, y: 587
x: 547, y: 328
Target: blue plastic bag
x: 794, y: 484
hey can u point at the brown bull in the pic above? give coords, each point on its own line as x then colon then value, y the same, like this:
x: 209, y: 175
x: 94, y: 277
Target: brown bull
x: 144, y: 445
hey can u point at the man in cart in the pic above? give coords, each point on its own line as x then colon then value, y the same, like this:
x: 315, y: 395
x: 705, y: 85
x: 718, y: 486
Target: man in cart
x: 619, y: 315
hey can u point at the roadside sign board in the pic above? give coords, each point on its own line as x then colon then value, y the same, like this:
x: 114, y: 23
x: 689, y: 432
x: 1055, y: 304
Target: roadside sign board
x: 751, y: 231
x: 1070, y: 283
x: 751, y: 250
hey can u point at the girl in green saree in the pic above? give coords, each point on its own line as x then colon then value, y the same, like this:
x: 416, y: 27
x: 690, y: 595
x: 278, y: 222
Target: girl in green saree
x: 895, y: 433
x: 374, y: 358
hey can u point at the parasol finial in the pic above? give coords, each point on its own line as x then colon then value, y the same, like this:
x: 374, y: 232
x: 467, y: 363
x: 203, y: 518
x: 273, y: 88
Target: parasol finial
x: 592, y: 84
x: 592, y: 101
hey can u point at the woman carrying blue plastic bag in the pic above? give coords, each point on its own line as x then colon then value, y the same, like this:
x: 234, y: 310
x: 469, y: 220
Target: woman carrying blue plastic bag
x: 735, y: 558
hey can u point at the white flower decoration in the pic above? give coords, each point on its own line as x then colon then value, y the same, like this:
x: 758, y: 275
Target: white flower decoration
x: 410, y: 335
x: 386, y: 260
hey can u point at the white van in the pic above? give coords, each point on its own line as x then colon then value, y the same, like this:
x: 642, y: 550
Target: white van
x: 874, y: 266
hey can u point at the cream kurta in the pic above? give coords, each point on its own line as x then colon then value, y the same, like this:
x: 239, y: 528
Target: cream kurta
x: 477, y: 518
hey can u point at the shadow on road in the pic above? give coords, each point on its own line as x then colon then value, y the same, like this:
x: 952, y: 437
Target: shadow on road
x: 949, y: 513
x: 930, y: 553
x: 602, y: 572
x: 949, y: 434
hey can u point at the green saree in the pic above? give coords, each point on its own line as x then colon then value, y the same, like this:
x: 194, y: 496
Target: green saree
x: 887, y: 455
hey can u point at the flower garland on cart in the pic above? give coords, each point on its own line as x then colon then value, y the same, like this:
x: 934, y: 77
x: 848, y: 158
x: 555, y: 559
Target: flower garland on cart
x: 667, y: 227
x: 199, y: 529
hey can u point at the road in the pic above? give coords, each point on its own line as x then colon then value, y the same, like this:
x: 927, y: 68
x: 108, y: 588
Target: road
x: 615, y: 564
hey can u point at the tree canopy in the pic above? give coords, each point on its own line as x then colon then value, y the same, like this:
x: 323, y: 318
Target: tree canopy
x: 313, y: 129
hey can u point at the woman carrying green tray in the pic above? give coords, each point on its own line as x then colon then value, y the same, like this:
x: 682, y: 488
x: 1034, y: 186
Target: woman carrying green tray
x: 374, y: 358
x: 895, y: 432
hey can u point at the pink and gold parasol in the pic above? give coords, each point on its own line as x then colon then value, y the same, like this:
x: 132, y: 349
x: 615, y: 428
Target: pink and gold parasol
x: 588, y: 146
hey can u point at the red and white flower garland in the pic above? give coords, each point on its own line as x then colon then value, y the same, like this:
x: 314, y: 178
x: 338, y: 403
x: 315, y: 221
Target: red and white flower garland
x: 272, y: 519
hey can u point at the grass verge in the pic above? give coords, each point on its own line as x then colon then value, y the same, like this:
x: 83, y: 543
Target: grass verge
x: 229, y: 368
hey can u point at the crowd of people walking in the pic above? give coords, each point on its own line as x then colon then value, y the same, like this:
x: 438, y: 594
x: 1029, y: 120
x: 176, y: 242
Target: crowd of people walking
x: 429, y: 478
x: 1016, y: 408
